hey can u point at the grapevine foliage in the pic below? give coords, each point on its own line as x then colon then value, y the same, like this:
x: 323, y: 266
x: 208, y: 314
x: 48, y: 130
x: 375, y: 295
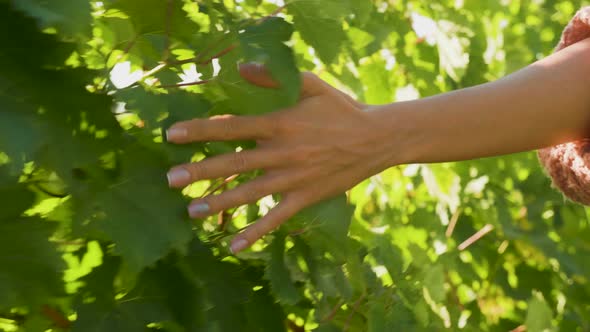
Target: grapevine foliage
x: 92, y: 239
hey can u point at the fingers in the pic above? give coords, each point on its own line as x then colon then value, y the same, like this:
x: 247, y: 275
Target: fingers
x: 221, y: 128
x: 273, y: 219
x: 257, y: 74
x: 225, y: 165
x: 295, y: 201
x: 249, y: 192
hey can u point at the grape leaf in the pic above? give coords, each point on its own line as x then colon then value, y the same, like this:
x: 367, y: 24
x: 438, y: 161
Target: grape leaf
x: 278, y: 274
x: 264, y: 43
x: 162, y: 294
x: 17, y: 197
x: 320, y: 25
x: 71, y: 17
x: 19, y: 148
x: 32, y: 267
x: 434, y: 281
x: 157, y: 17
x: 260, y: 43
x: 326, y: 226
x: 128, y: 208
x: 539, y: 316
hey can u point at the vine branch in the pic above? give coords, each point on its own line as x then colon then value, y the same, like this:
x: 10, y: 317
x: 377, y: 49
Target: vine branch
x: 197, y: 60
x: 476, y: 237
x: 179, y: 85
x: 273, y: 14
x: 332, y: 313
x: 56, y: 317
x: 453, y: 294
x: 355, y: 307
x: 453, y: 223
x: 223, y: 184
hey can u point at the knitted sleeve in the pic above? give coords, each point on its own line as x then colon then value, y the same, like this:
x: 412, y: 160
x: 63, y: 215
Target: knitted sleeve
x: 569, y: 164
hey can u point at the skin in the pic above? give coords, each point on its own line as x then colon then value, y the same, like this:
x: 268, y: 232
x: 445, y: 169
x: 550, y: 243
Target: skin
x: 328, y: 142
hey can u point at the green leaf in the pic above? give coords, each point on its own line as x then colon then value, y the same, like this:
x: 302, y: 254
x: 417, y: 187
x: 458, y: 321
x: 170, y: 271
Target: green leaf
x: 163, y: 17
x: 320, y: 25
x: 128, y: 208
x: 539, y: 315
x: 434, y: 281
x: 17, y: 197
x: 264, y: 43
x: 377, y: 81
x: 376, y: 317
x: 19, y: 148
x: 264, y: 315
x: 162, y: 294
x: 25, y: 255
x: 234, y: 95
x: 278, y: 274
x: 326, y: 226
x: 71, y: 17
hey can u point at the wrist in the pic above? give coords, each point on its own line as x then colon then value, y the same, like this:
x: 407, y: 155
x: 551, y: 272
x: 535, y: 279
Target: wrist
x: 397, y: 127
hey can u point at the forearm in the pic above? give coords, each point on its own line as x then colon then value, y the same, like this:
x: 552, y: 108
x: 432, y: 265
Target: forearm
x: 544, y: 104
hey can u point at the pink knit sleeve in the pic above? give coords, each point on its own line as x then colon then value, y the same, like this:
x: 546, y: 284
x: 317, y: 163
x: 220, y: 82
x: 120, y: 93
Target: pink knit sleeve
x: 569, y: 164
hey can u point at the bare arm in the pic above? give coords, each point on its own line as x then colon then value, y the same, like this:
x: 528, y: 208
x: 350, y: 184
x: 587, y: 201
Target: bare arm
x: 546, y: 103
x: 328, y: 143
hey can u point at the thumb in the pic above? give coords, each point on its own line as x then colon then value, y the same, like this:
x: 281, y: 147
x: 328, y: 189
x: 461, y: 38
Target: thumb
x: 259, y: 75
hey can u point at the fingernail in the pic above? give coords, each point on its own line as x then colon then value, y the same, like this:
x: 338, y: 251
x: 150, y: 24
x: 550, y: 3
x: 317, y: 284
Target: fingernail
x: 178, y: 177
x: 175, y: 134
x: 198, y: 209
x: 238, y: 246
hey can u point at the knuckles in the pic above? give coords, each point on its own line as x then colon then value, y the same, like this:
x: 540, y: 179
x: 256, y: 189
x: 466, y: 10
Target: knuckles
x: 240, y: 164
x: 197, y: 171
x: 228, y: 125
x: 251, y: 194
x: 302, y: 154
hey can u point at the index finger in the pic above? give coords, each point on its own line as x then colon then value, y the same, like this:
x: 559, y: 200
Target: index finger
x: 221, y: 128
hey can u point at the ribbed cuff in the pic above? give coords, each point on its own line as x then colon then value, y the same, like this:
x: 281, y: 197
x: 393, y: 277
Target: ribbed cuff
x: 568, y: 164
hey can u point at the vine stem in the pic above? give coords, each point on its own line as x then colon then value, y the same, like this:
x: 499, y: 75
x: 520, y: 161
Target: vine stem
x: 55, y: 316
x: 223, y: 218
x: 273, y: 14
x: 298, y: 232
x: 179, y: 85
x: 355, y: 307
x: 453, y: 223
x: 476, y: 237
x: 332, y: 313
x: 154, y: 70
x: 453, y: 294
x: 212, y: 189
x: 198, y: 61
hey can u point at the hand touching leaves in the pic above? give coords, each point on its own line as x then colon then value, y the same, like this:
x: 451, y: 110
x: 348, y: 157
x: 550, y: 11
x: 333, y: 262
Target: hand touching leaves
x: 319, y: 148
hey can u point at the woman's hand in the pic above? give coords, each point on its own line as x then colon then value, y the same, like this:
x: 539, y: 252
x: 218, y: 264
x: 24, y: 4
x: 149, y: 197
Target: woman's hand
x: 319, y: 148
